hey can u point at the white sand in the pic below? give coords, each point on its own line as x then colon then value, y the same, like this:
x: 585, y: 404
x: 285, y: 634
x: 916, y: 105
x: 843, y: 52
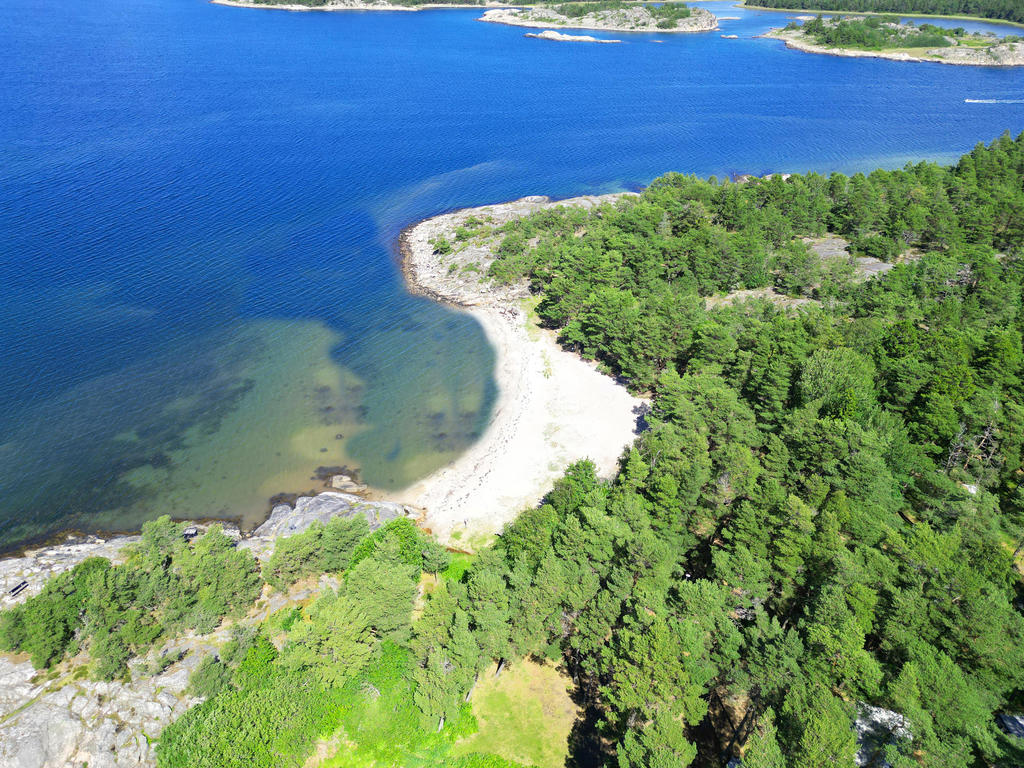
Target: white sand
x: 553, y: 407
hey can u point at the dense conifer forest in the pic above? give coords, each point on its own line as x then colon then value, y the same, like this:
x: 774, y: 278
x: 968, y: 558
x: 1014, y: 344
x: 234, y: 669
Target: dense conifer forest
x: 825, y: 511
x: 1007, y: 10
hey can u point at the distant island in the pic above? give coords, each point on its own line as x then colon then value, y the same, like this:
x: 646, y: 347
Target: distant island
x: 996, y: 10
x: 612, y: 16
x: 350, y: 5
x: 885, y: 37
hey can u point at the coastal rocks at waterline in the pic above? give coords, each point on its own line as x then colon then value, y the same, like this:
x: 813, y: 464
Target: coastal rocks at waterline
x: 1001, y: 55
x: 54, y: 720
x: 636, y: 18
x: 996, y: 55
x: 33, y: 568
x: 24, y: 576
x: 460, y: 276
x: 346, y: 484
x: 288, y: 520
x: 550, y: 34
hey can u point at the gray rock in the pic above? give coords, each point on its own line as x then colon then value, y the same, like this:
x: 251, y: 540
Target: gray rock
x: 877, y: 727
x: 38, y: 565
x: 346, y: 484
x: 287, y: 521
x: 16, y: 687
x: 71, y: 722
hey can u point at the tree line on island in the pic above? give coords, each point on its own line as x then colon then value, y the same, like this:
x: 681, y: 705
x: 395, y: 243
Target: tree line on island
x: 667, y: 14
x: 1006, y: 10
x: 824, y: 512
x: 880, y: 32
x: 411, y: 3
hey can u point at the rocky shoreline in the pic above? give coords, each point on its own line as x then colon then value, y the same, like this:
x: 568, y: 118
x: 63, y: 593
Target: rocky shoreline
x: 561, y: 37
x: 61, y: 718
x: 1003, y: 55
x: 633, y: 19
x: 36, y: 565
x: 553, y: 408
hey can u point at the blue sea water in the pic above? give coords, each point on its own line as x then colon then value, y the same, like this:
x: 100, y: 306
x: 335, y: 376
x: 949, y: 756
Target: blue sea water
x: 199, y: 208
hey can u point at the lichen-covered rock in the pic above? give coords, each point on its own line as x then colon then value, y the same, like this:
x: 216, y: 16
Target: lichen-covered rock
x: 38, y: 565
x: 876, y: 728
x: 287, y: 520
x: 72, y: 721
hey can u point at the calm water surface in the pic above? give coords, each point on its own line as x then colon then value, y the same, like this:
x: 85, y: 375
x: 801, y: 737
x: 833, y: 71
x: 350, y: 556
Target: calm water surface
x: 199, y: 207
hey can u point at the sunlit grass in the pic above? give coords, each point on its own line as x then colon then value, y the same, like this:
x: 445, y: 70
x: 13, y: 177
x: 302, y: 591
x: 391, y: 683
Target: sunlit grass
x: 525, y: 715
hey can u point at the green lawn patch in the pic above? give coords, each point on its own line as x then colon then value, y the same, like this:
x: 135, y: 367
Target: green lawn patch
x: 457, y: 567
x: 525, y: 715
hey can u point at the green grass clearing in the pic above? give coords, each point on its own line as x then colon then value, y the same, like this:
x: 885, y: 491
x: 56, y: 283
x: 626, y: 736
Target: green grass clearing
x: 524, y: 715
x: 457, y: 567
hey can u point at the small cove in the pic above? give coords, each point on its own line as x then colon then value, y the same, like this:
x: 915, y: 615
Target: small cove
x: 199, y: 207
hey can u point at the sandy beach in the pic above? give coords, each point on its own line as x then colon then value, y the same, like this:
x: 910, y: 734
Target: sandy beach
x: 553, y: 408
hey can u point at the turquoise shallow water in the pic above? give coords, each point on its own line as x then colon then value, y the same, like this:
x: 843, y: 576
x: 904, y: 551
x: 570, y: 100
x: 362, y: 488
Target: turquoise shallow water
x: 199, y: 207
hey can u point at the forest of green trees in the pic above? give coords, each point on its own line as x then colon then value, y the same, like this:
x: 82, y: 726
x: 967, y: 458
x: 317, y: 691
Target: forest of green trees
x: 1007, y: 10
x: 873, y: 33
x: 827, y: 506
x: 167, y: 585
x: 826, y: 509
x: 667, y: 13
x: 321, y: 3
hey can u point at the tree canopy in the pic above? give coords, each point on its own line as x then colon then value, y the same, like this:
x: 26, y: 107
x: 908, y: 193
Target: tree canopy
x: 1008, y: 10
